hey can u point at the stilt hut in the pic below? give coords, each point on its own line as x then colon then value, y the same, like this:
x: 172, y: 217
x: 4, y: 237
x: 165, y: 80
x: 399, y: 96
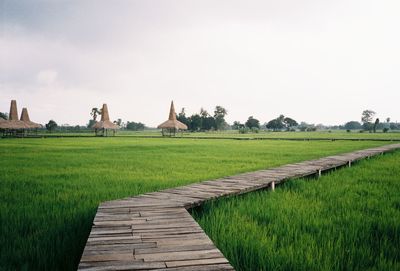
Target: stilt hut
x: 172, y: 125
x: 104, y: 126
x: 13, y: 126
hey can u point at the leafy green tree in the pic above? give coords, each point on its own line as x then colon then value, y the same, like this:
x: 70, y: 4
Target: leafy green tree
x: 182, y: 117
x: 135, y: 126
x: 4, y: 115
x: 252, y: 123
x: 366, y: 119
x: 237, y: 125
x: 208, y: 123
x: 195, y: 122
x: 376, y: 124
x: 352, y: 125
x: 289, y: 123
x: 219, y: 116
x: 275, y: 124
x: 51, y: 125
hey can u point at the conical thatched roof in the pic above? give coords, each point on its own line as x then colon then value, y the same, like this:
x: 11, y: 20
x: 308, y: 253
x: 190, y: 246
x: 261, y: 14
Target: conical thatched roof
x: 105, y: 122
x: 25, y: 118
x: 172, y: 122
x: 13, y: 123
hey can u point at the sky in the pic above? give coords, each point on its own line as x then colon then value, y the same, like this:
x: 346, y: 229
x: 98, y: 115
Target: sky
x: 312, y: 60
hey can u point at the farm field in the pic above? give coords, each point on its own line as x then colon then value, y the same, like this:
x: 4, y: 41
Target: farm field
x: 335, y: 134
x: 50, y: 188
x: 347, y: 220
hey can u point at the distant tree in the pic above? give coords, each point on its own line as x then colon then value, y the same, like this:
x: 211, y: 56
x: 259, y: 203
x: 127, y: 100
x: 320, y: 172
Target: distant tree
x: 208, y: 123
x: 195, y: 122
x: 352, y: 125
x: 51, y: 125
x: 4, y: 115
x: 135, y: 126
x: 219, y: 116
x: 274, y: 124
x: 203, y: 113
x: 289, y: 123
x: 387, y: 119
x: 94, y: 113
x: 91, y: 123
x: 376, y: 124
x: 304, y: 126
x: 237, y: 125
x: 182, y: 117
x: 252, y: 123
x: 366, y: 119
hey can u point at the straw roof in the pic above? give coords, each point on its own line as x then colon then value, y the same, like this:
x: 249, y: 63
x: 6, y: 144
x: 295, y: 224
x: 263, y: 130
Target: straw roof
x: 105, y: 122
x: 13, y: 123
x: 172, y: 122
x: 25, y: 118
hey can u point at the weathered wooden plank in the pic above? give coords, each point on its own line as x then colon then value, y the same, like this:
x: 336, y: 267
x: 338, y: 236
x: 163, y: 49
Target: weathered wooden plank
x: 154, y: 231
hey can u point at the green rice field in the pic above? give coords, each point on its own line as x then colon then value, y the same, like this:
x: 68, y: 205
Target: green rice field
x: 347, y: 220
x: 50, y: 188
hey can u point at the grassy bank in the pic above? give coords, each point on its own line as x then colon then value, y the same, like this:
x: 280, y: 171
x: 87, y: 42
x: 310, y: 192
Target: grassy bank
x: 346, y: 220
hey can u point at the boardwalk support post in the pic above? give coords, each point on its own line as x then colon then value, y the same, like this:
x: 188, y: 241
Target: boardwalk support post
x: 349, y: 163
x: 319, y: 173
x: 273, y: 185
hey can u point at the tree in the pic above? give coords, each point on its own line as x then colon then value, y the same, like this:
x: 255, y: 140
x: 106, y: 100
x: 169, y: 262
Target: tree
x: 366, y: 119
x: 4, y: 115
x: 208, y: 123
x: 252, y: 122
x: 94, y: 113
x: 219, y: 116
x: 51, y: 125
x: 237, y: 125
x: 195, y: 122
x: 352, y: 125
x: 275, y: 124
x: 135, y: 126
x: 182, y: 117
x: 289, y: 123
x: 376, y: 124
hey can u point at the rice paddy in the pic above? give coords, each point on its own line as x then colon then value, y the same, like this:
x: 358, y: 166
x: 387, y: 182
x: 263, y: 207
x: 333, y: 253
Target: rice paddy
x: 346, y: 220
x: 50, y: 188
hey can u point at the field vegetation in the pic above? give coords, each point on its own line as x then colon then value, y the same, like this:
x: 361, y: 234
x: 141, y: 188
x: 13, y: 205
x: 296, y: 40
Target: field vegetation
x: 50, y: 188
x: 346, y: 220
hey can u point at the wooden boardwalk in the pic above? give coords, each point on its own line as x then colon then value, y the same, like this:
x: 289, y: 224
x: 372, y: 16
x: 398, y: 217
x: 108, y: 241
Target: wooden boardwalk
x: 154, y: 231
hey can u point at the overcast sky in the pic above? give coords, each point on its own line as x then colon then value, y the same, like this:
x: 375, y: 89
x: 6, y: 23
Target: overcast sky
x: 315, y: 61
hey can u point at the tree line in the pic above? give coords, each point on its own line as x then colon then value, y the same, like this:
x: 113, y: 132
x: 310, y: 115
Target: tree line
x: 204, y: 121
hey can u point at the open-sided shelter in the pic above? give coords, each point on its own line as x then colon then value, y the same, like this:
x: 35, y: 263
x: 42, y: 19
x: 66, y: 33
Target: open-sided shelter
x: 172, y: 125
x: 27, y: 121
x: 13, y: 126
x: 103, y: 126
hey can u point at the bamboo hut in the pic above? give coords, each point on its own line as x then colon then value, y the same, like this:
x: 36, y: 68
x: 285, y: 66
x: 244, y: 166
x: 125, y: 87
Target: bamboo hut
x: 172, y: 125
x: 103, y: 126
x: 13, y: 126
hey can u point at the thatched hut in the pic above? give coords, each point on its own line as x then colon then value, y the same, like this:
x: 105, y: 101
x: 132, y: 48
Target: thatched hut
x: 13, y: 125
x: 172, y: 125
x: 103, y: 126
x: 28, y: 123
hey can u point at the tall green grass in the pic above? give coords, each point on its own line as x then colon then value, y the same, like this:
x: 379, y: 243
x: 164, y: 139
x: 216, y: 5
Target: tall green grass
x: 346, y: 220
x: 50, y: 188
